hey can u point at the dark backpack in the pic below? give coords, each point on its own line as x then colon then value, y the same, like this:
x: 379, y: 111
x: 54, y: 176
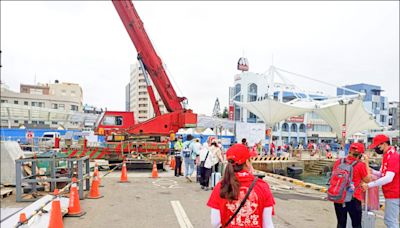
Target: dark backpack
x: 341, y: 186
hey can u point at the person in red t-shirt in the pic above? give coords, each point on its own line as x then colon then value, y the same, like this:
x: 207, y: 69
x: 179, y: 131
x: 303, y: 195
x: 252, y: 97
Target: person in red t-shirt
x: 360, y: 173
x: 231, y: 190
x: 389, y: 179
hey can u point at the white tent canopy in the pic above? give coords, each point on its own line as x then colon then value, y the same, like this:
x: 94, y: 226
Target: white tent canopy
x: 330, y: 110
x: 272, y: 111
x: 357, y: 119
x: 208, y: 131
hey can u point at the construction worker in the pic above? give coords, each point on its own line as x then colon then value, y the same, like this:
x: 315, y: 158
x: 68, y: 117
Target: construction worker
x: 231, y: 191
x: 178, y: 156
x: 389, y: 178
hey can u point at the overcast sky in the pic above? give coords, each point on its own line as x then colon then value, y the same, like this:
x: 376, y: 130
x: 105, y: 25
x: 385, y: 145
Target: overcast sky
x: 200, y: 43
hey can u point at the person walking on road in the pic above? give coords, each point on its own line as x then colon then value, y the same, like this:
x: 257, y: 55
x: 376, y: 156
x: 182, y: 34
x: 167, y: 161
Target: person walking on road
x: 187, y: 154
x: 237, y: 183
x: 389, y: 179
x: 178, y: 157
x: 205, y: 167
x: 360, y: 173
x: 216, y: 155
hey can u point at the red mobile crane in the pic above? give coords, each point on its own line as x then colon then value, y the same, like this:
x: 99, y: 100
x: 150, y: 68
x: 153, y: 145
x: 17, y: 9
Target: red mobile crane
x: 122, y: 133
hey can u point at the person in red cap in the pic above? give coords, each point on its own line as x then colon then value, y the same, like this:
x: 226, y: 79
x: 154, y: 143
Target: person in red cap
x: 229, y: 193
x: 360, y: 173
x: 389, y: 178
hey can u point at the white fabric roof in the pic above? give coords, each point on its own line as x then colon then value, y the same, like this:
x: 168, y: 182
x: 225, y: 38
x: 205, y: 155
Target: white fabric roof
x: 272, y: 111
x: 208, y: 131
x: 357, y: 118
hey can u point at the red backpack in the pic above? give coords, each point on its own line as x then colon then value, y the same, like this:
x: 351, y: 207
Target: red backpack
x: 341, y: 186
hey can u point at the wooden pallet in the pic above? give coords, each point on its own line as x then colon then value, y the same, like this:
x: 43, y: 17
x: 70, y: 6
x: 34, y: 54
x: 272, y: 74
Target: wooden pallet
x: 5, y: 192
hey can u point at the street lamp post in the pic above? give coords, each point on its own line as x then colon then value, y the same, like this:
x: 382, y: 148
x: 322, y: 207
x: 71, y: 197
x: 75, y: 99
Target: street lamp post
x: 344, y: 125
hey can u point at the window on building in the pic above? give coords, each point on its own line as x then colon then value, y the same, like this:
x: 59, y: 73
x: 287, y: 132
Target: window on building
x: 41, y: 122
x: 142, y: 93
x: 142, y: 80
x: 113, y: 120
x: 73, y: 93
x: 142, y: 111
x: 36, y: 91
x: 142, y: 105
x: 25, y: 122
x: 390, y: 121
x: 293, y: 128
x: 142, y: 99
x: 4, y: 101
x: 285, y: 127
x: 383, y: 118
x: 374, y: 105
x: 74, y: 107
x: 390, y: 111
x: 16, y: 121
x: 63, y: 92
x: 383, y: 106
x: 41, y: 104
x: 26, y: 103
x: 322, y: 128
x: 54, y: 106
x: 15, y: 102
x: 61, y: 106
x: 34, y: 122
x: 34, y: 103
x: 238, y: 89
x: 302, y: 128
x: 142, y: 87
x: 54, y: 122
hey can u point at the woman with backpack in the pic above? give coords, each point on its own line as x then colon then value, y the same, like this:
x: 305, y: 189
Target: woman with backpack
x: 345, y: 186
x: 241, y: 199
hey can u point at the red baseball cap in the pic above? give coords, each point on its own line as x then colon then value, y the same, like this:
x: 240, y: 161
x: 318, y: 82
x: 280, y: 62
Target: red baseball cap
x: 238, y: 153
x: 378, y: 139
x: 359, y: 147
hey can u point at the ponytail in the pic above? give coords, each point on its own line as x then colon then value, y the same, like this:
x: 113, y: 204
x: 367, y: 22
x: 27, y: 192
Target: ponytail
x: 230, y: 184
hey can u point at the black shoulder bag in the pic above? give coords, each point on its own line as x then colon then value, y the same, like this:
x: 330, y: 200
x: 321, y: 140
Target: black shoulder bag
x: 242, y: 203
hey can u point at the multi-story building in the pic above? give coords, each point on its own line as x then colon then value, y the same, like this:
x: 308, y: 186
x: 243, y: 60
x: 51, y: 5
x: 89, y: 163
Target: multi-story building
x: 27, y: 107
x: 139, y: 101
x: 250, y: 86
x: 394, y: 115
x: 374, y: 102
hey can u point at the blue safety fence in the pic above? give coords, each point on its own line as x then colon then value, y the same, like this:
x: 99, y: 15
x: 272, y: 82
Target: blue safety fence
x: 16, y: 134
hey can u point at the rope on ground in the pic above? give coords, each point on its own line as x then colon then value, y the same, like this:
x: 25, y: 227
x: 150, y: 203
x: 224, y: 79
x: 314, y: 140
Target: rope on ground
x: 63, y: 190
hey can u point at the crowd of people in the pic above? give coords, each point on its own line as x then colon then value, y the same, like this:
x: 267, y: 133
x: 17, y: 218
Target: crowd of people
x: 240, y: 199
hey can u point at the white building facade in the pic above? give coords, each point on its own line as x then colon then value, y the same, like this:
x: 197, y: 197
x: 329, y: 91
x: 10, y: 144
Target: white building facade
x: 249, y: 86
x: 139, y: 100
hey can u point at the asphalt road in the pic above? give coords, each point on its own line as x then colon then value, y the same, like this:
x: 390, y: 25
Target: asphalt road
x: 147, y: 202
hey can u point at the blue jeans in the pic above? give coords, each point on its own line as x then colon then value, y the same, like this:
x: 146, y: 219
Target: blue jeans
x: 189, y: 167
x: 392, y: 213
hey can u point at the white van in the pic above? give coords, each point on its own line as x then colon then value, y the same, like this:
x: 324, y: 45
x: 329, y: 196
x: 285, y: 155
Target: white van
x: 48, y: 139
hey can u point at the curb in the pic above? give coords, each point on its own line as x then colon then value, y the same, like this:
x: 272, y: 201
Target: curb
x: 298, y: 182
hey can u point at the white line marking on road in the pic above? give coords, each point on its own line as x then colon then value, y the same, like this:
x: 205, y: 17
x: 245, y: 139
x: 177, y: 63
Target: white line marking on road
x: 183, y: 220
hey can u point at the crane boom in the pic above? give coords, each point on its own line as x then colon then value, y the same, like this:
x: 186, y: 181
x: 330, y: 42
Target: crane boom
x: 152, y: 62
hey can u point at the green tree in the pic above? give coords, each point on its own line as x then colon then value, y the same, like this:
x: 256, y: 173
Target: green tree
x: 225, y: 113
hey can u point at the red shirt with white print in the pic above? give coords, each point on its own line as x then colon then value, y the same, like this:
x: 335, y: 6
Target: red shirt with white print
x: 251, y: 214
x: 390, y: 162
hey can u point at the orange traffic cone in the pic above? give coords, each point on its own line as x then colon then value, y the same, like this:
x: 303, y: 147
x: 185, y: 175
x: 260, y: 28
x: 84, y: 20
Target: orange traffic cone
x: 124, y: 175
x: 22, y: 218
x: 94, y: 190
x: 173, y: 163
x: 55, y: 214
x: 154, y: 173
x: 96, y: 173
x: 74, y: 207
